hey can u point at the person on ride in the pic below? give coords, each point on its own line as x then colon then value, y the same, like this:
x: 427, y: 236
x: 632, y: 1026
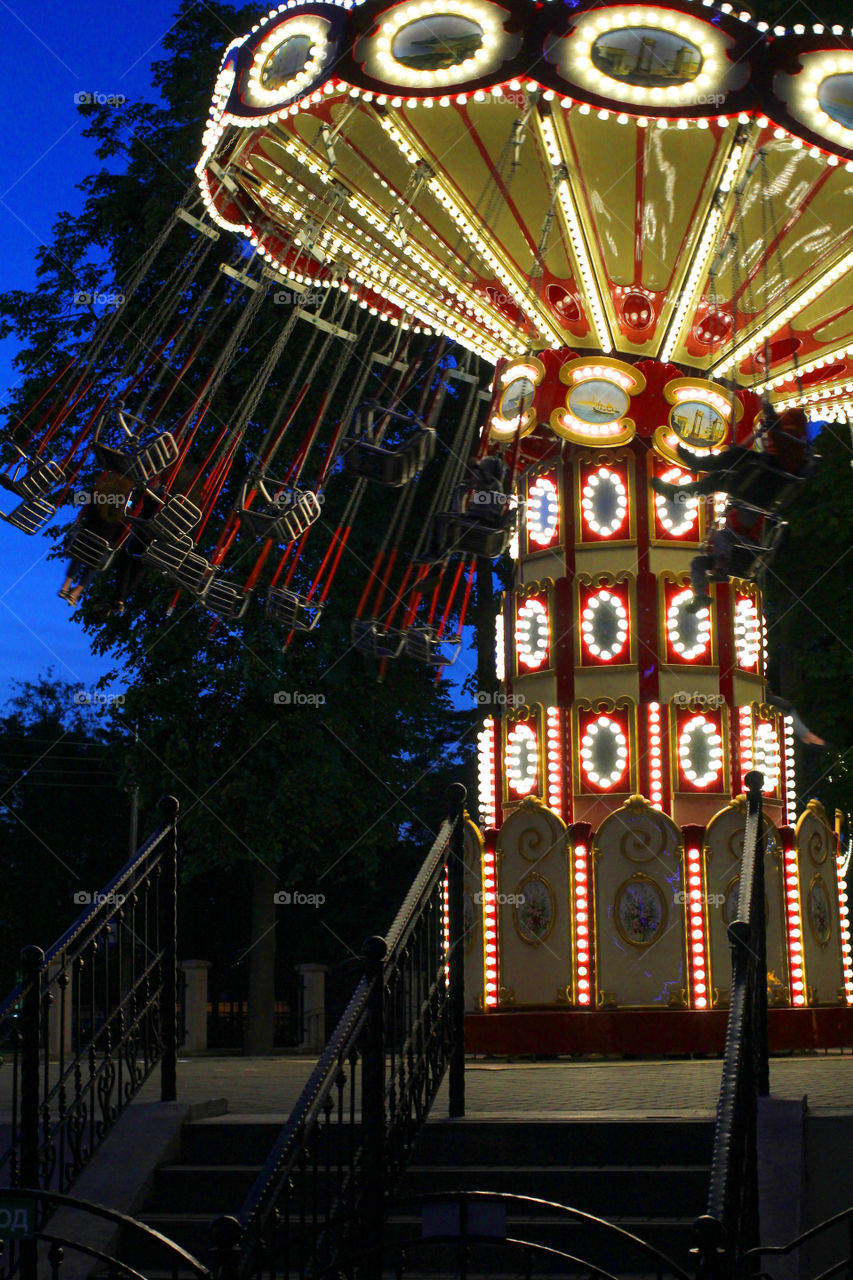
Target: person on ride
x: 740, y: 523
x: 782, y: 446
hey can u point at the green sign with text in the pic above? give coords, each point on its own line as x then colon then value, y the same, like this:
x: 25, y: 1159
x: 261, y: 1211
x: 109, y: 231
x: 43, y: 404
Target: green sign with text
x: 17, y: 1218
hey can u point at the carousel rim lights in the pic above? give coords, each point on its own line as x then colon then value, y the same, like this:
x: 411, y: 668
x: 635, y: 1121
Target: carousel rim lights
x: 316, y: 30
x: 588, y: 496
x: 589, y: 617
x: 711, y: 43
x: 484, y: 15
x: 766, y: 754
x: 747, y: 629
x: 587, y: 751
x: 714, y: 744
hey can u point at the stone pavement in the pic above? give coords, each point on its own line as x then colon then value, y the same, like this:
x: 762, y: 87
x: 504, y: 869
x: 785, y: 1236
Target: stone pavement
x: 270, y: 1086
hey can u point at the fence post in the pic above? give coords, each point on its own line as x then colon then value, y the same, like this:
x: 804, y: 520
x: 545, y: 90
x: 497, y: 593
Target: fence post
x: 456, y: 963
x: 32, y: 959
x: 373, y: 1109
x: 169, y: 1015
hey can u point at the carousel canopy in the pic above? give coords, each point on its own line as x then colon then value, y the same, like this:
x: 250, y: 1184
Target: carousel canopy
x: 661, y: 181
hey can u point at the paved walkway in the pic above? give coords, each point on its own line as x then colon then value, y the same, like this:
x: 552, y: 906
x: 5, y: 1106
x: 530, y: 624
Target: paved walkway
x: 270, y: 1086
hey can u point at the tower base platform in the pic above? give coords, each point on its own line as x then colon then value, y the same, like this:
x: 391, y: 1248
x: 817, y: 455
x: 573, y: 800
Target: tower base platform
x: 525, y: 1032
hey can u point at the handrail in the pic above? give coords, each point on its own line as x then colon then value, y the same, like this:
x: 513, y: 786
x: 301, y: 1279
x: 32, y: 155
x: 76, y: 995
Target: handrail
x: 54, y: 1200
x: 626, y: 1238
x: 90, y: 1020
x: 730, y: 1223
x: 782, y: 1250
x: 349, y: 1134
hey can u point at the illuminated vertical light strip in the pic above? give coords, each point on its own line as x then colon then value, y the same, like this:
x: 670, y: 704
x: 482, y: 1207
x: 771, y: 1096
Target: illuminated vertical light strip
x: 554, y: 751
x: 790, y: 772
x: 696, y: 927
x: 702, y: 255
x: 487, y: 780
x: 568, y: 206
x: 445, y: 921
x: 582, y: 922
x: 655, y: 756
x: 500, y: 647
x: 490, y: 928
x: 844, y: 926
x: 745, y: 736
x: 796, y: 960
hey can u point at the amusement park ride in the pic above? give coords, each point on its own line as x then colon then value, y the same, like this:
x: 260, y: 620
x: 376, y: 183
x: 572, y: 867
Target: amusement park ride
x: 640, y: 216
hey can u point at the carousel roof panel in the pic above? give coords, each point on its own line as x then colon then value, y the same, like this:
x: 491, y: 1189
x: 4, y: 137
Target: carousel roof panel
x: 675, y: 183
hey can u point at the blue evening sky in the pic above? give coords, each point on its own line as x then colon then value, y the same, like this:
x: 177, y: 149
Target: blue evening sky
x: 54, y: 50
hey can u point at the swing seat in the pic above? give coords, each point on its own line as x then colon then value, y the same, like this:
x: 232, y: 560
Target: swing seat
x: 193, y: 572
x: 749, y: 560
x: 150, y: 459
x: 166, y: 555
x: 175, y: 519
x: 34, y: 483
x: 296, y: 612
x: 90, y: 549
x: 285, y: 518
x: 368, y: 636
x: 30, y: 516
x: 425, y: 645
x: 390, y: 465
x: 224, y: 599
x: 463, y: 532
x: 768, y: 489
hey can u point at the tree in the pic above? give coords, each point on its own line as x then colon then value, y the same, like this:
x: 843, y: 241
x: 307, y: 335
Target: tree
x: 301, y: 769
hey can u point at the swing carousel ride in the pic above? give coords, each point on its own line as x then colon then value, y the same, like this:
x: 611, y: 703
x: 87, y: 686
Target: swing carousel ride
x: 636, y: 219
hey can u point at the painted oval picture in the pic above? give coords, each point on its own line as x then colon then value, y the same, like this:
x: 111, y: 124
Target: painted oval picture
x: 646, y: 56
x: 698, y: 424
x: 516, y: 399
x: 534, y: 915
x: 597, y: 400
x: 437, y: 42
x: 640, y: 912
x: 835, y: 95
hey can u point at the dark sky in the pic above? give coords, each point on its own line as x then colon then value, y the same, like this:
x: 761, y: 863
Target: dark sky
x: 54, y: 50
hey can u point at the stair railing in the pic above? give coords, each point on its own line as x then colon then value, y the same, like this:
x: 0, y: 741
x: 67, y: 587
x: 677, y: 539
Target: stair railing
x: 325, y: 1186
x: 89, y: 1021
x: 730, y: 1226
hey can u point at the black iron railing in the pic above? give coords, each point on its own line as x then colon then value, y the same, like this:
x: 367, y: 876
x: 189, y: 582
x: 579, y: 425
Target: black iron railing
x: 454, y: 1224
x: 53, y: 1249
x: 730, y: 1226
x: 91, y: 1018
x: 835, y: 1232
x: 325, y: 1187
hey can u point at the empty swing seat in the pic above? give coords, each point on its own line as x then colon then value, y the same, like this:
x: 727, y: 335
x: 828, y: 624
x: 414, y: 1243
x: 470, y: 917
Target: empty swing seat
x: 193, y: 572
x: 224, y: 599
x: 175, y: 519
x: 166, y: 555
x: 90, y: 549
x: 425, y: 645
x: 150, y: 459
x: 369, y: 637
x: 462, y: 532
x: 30, y: 516
x: 38, y: 480
x: 296, y: 612
x: 285, y: 518
x: 390, y: 465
